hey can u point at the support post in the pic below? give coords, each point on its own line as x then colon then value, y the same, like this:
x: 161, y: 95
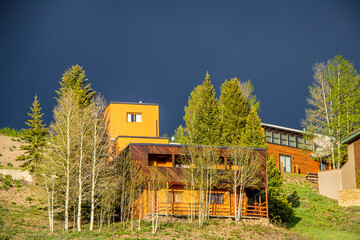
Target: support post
x: 148, y: 200
x: 167, y: 196
x: 267, y: 205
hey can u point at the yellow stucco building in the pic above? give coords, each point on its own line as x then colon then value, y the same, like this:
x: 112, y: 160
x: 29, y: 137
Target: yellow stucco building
x: 133, y: 123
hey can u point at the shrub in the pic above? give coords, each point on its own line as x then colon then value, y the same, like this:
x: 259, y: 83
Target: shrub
x: 14, y: 146
x: 280, y: 208
x: 11, y: 132
x: 13, y: 139
x: 29, y: 199
x: 11, y: 149
x: 8, y: 177
x: 17, y: 183
x: 18, y: 140
x: 7, y: 183
x: 0, y: 154
x: 9, y: 164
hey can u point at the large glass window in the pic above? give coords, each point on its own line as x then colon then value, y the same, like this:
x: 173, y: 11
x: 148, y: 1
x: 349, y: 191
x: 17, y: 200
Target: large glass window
x: 300, y: 142
x: 276, y: 137
x: 217, y: 198
x: 284, y: 139
x: 268, y: 136
x: 292, y: 141
x: 308, y: 144
x: 175, y: 197
x: 285, y: 163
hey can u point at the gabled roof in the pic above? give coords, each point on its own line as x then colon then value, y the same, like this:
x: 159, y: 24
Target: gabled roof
x: 352, y: 137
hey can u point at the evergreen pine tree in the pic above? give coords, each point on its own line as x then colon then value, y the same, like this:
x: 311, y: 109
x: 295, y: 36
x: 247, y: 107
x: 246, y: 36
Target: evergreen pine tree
x: 253, y: 136
x: 201, y: 115
x: 35, y: 137
x: 234, y: 108
x: 74, y: 78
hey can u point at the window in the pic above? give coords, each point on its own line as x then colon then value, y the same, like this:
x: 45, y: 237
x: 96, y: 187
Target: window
x: 308, y: 145
x: 284, y: 139
x: 217, y: 198
x: 285, y: 163
x: 300, y: 142
x: 292, y: 141
x: 268, y: 136
x: 276, y: 137
x: 133, y: 117
x: 174, y: 197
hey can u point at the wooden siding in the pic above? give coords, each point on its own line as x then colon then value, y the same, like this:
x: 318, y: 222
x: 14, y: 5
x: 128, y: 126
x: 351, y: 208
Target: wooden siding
x: 357, y: 153
x: 140, y: 154
x: 300, y: 158
x: 164, y: 207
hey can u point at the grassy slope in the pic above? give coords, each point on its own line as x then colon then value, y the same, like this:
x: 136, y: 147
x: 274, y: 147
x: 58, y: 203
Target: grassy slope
x: 317, y: 217
x: 320, y: 217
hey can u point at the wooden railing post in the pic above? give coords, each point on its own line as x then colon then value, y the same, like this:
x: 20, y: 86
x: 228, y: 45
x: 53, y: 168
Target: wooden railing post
x: 148, y: 197
x: 267, y: 206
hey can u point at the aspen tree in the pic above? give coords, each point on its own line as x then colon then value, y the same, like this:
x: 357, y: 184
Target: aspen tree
x: 99, y: 147
x: 62, y: 134
x: 334, y: 104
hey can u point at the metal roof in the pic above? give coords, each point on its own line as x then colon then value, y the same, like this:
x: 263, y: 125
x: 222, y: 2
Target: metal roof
x: 351, y: 137
x: 282, y: 128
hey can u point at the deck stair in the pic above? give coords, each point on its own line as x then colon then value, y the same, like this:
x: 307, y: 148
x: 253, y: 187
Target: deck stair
x: 313, y: 178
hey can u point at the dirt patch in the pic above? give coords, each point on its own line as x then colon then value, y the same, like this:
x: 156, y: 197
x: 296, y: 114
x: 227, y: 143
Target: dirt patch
x: 21, y: 195
x: 10, y: 150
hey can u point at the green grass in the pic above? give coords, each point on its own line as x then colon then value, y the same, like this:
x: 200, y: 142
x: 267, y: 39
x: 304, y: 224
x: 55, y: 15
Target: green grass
x: 320, y: 217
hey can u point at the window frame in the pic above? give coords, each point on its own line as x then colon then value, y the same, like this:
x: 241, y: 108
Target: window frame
x: 133, y: 117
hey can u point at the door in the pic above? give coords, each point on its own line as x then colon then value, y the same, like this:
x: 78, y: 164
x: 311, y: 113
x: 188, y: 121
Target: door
x: 285, y: 161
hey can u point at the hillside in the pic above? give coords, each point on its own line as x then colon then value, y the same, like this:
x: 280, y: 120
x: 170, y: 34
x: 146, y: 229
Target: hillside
x: 320, y: 217
x: 9, y: 150
x: 23, y: 215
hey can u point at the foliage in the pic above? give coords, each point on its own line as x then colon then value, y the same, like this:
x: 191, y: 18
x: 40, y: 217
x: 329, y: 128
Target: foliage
x: 201, y: 115
x: 35, y: 137
x: 74, y: 78
x: 253, y: 136
x: 334, y: 104
x: 180, y: 135
x: 279, y: 207
x: 234, y: 109
x: 11, y: 132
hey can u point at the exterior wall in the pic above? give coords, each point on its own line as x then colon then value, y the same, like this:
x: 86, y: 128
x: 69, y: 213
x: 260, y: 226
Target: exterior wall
x: 118, y: 125
x: 357, y: 162
x: 17, y: 174
x: 348, y: 170
x: 183, y: 208
x: 300, y: 157
x: 330, y: 182
x: 349, y: 197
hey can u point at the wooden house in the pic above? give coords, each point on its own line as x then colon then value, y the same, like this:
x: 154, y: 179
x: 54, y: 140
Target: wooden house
x: 172, y: 198
x: 291, y: 150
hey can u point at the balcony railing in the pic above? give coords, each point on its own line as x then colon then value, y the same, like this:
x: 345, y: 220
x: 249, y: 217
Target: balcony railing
x: 216, y: 210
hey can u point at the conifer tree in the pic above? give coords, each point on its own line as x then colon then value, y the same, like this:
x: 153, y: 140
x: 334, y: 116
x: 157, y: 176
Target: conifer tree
x: 74, y: 78
x: 234, y: 108
x: 252, y: 135
x: 35, y: 137
x: 201, y: 115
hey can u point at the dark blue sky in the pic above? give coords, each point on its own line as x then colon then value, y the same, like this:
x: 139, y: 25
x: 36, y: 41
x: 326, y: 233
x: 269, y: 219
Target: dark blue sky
x: 158, y: 51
